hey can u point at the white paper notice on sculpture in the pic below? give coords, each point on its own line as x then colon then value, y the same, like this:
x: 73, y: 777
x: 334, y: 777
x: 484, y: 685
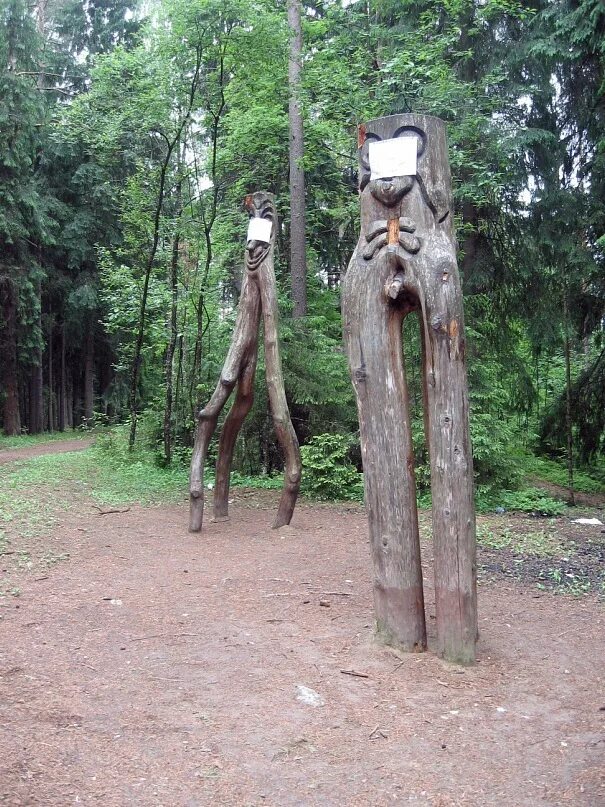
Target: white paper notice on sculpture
x: 259, y: 230
x: 393, y: 158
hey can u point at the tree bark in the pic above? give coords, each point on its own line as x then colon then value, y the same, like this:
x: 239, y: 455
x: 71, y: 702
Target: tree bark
x: 11, y: 419
x: 259, y: 295
x: 568, y: 407
x: 405, y: 261
x: 36, y: 401
x: 51, y: 384
x: 169, y: 360
x: 298, y: 255
x: 89, y: 375
x: 62, y: 403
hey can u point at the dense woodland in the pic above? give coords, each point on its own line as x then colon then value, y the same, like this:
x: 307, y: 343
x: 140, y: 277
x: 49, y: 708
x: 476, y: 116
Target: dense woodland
x: 129, y: 135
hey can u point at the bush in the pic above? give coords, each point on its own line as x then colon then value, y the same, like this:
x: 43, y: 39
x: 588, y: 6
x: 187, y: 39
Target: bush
x: 327, y: 473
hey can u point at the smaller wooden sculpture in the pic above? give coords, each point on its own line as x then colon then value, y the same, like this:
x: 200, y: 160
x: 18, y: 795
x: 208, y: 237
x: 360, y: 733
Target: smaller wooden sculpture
x: 259, y: 294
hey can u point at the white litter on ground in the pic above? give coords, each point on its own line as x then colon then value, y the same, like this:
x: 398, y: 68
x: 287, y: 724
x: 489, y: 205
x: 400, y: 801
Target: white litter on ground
x: 589, y: 522
x: 308, y: 696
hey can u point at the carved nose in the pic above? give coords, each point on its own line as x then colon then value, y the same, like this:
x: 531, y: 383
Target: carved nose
x: 255, y: 248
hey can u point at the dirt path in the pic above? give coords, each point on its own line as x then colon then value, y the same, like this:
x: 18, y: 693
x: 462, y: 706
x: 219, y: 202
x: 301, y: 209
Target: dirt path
x: 51, y: 447
x: 160, y: 668
x: 561, y: 492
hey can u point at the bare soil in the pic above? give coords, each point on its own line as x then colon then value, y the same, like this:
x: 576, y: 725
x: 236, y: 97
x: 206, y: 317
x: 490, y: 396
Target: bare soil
x: 158, y: 667
x: 58, y: 447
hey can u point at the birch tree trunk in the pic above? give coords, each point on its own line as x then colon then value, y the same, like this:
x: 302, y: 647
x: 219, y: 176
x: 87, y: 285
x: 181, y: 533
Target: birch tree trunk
x: 405, y: 261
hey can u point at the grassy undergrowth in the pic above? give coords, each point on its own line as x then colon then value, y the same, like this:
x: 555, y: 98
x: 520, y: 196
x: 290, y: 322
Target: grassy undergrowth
x: 27, y: 440
x: 37, y: 492
x: 551, y: 471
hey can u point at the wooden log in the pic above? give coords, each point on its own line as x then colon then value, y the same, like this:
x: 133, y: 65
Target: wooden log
x: 258, y: 296
x: 405, y: 261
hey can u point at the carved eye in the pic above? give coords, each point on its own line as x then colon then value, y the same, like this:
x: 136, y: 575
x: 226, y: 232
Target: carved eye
x: 364, y: 154
x: 403, y: 131
x: 413, y: 131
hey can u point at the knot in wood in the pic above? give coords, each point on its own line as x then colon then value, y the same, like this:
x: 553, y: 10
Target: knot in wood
x: 361, y: 374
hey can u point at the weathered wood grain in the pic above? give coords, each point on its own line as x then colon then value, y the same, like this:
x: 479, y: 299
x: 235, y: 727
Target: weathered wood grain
x: 258, y: 296
x: 405, y: 261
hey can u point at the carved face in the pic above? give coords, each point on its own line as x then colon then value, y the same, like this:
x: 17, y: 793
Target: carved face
x: 388, y: 190
x: 260, y: 205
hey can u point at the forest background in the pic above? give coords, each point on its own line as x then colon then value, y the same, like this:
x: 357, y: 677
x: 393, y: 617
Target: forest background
x: 130, y: 134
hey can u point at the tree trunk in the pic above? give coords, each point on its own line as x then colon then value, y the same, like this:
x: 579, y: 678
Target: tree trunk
x: 405, y: 261
x: 69, y: 401
x: 568, y: 407
x: 298, y: 256
x: 51, y: 403
x: 11, y: 419
x: 259, y: 293
x: 36, y: 401
x: 89, y: 376
x: 62, y: 404
x: 169, y: 360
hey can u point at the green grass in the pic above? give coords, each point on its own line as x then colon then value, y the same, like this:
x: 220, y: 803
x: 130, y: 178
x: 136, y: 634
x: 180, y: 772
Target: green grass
x: 555, y: 472
x: 107, y: 479
x: 541, y: 543
x: 27, y: 440
x: 34, y: 492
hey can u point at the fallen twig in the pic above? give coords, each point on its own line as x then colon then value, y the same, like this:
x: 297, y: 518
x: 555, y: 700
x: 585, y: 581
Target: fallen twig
x: 161, y: 636
x: 377, y: 732
x: 107, y: 512
x: 355, y: 673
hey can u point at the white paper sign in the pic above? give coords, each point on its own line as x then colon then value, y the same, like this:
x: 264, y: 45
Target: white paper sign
x: 259, y: 230
x: 393, y: 158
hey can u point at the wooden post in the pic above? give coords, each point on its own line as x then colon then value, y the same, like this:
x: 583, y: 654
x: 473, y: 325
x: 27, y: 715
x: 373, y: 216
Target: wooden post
x: 258, y: 296
x: 405, y: 260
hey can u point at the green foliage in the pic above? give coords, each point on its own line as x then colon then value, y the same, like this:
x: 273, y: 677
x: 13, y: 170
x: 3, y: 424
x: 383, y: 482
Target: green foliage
x: 552, y: 471
x: 541, y: 543
x: 529, y: 500
x: 84, y: 148
x: 327, y: 473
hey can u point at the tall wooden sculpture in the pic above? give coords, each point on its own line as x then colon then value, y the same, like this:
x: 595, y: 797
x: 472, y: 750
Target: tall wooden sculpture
x: 405, y: 260
x: 258, y: 295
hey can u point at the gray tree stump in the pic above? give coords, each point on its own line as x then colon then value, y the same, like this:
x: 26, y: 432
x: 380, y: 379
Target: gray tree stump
x: 405, y: 260
x: 258, y: 296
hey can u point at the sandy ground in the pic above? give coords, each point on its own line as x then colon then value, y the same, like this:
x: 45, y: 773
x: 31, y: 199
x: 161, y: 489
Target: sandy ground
x: 157, y: 667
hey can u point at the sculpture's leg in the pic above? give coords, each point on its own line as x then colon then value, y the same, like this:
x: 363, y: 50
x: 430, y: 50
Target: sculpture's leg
x: 279, y: 406
x: 372, y: 333
x: 245, y: 333
x: 451, y: 470
x: 244, y: 398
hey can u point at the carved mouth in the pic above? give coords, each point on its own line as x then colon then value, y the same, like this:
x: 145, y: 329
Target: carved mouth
x: 256, y: 253
x: 390, y: 190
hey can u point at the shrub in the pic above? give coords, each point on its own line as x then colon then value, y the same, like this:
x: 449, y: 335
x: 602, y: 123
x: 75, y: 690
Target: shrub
x: 327, y: 473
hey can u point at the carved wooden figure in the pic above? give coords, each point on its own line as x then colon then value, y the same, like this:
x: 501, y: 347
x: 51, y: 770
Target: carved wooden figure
x: 405, y: 260
x: 258, y: 295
